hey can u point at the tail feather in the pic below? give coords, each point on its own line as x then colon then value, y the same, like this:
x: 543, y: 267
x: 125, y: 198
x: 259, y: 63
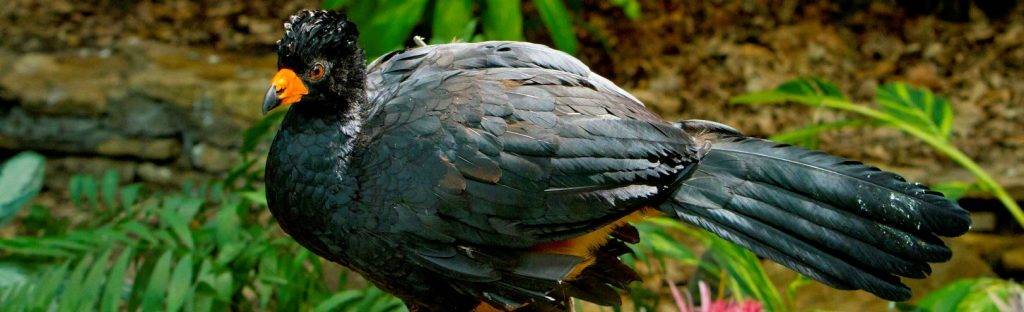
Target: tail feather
x: 835, y: 220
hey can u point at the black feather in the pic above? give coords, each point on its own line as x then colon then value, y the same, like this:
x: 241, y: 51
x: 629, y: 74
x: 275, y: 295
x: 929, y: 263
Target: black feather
x: 837, y: 221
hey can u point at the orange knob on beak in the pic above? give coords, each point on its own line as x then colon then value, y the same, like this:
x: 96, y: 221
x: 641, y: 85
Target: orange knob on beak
x: 285, y: 89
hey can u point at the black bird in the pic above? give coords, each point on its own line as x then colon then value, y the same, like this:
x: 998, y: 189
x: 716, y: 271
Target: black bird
x: 504, y: 175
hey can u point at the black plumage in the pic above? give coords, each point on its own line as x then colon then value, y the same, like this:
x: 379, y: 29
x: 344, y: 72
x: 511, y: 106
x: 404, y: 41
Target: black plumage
x: 460, y: 174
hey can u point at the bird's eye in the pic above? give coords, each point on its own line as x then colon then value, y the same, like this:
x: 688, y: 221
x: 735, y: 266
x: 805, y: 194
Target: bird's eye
x: 316, y: 72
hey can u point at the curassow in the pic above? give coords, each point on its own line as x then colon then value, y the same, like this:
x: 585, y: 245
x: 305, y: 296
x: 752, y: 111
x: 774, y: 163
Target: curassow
x: 504, y: 175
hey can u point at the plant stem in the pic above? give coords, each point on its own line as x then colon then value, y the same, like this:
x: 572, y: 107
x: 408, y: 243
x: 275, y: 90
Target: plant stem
x: 942, y: 146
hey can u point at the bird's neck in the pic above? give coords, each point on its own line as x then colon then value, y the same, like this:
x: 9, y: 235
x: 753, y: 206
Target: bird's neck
x: 308, y: 178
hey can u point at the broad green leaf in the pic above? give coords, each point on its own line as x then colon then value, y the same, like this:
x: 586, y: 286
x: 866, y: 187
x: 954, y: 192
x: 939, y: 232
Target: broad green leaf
x: 228, y: 252
x: 808, y: 91
x: 114, y: 288
x: 450, y: 20
x: 12, y: 275
x: 502, y: 20
x: 92, y: 286
x: 745, y: 271
x: 559, y: 23
x: 338, y: 301
x: 255, y: 135
x: 21, y: 178
x: 917, y: 106
x: 72, y: 294
x: 812, y: 86
x: 954, y: 190
x: 950, y: 297
x: 385, y: 25
x: 256, y: 197
x: 48, y: 286
x: 226, y: 223
x: 109, y: 188
x: 153, y: 296
x: 179, y: 226
x: 129, y: 194
x: 90, y: 191
x: 631, y: 8
x: 180, y: 288
x: 334, y: 4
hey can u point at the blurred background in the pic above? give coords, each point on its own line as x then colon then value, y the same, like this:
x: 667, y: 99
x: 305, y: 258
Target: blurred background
x: 143, y: 187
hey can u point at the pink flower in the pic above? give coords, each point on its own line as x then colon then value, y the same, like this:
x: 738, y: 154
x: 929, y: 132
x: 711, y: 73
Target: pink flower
x: 685, y: 304
x: 729, y: 306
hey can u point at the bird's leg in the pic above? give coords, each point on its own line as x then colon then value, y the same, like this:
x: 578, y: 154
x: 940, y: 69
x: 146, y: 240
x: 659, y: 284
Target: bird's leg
x: 419, y: 41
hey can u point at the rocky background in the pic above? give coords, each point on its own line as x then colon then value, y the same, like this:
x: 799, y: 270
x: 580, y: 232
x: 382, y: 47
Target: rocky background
x: 162, y: 90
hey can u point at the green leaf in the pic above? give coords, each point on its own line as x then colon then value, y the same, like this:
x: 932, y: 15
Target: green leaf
x: 807, y: 136
x: 812, y: 86
x: 256, y: 197
x: 450, y: 19
x: 12, y: 275
x: 50, y: 286
x: 92, y: 286
x: 226, y: 223
x: 808, y: 91
x: 129, y: 194
x: 72, y: 295
x: 83, y: 187
x: 21, y: 178
x: 981, y: 294
x: 255, y: 135
x: 631, y: 8
x: 502, y: 20
x: 179, y: 226
x: 180, y: 288
x: 153, y: 296
x: 114, y: 288
x: 109, y: 188
x: 948, y: 298
x: 338, y: 301
x: 794, y: 285
x: 385, y: 25
x: 954, y: 190
x: 745, y: 271
x: 917, y: 106
x: 334, y: 4
x: 559, y: 23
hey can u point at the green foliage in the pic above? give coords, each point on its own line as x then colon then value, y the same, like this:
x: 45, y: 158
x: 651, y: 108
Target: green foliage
x: 502, y: 20
x: 556, y: 18
x: 387, y: 25
x: 629, y: 7
x: 981, y: 294
x: 206, y: 247
x: 451, y: 18
x: 21, y: 177
x: 919, y: 107
x: 916, y: 111
x: 739, y: 270
x: 954, y: 190
x: 384, y: 25
x: 807, y: 136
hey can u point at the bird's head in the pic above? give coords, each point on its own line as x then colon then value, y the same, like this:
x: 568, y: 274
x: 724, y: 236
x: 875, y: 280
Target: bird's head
x: 318, y: 60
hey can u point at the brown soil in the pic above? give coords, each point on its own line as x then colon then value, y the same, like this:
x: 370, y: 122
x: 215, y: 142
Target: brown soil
x: 686, y: 59
x: 33, y: 25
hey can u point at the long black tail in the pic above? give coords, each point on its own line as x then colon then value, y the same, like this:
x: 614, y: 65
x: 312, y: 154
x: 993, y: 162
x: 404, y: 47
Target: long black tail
x: 835, y: 220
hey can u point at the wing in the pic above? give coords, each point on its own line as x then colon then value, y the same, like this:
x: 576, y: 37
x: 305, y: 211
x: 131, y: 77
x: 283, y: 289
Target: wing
x: 504, y: 146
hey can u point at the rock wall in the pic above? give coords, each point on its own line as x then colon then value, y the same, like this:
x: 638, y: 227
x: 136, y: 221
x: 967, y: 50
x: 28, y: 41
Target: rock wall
x: 156, y: 112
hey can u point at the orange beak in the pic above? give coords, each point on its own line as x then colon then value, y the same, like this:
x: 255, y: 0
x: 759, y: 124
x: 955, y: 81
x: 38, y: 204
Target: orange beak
x: 285, y: 89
